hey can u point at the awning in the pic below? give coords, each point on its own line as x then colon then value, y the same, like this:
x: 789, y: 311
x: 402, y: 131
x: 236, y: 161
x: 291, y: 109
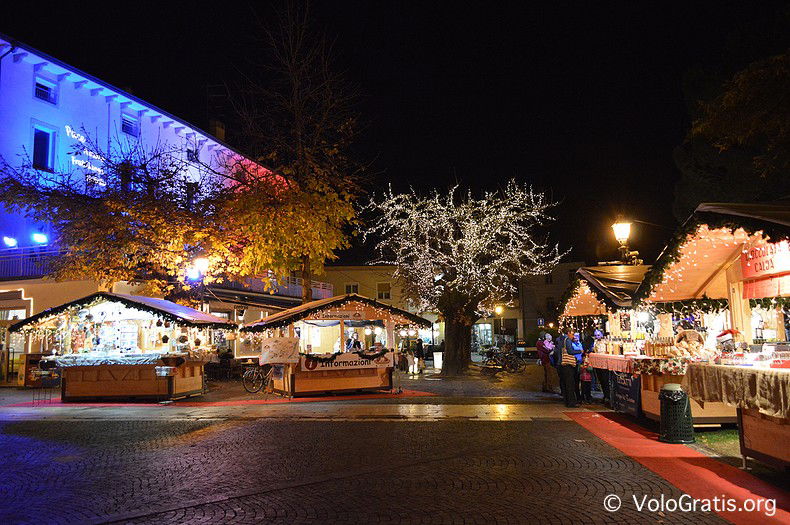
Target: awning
x: 176, y: 313
x: 313, y: 308
x: 618, y: 282
x: 600, y: 289
x: 692, y: 264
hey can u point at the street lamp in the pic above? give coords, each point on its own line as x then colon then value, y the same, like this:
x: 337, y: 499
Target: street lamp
x: 498, y: 310
x: 622, y: 232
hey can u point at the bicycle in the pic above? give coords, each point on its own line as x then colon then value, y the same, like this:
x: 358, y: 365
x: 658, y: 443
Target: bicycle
x: 255, y: 378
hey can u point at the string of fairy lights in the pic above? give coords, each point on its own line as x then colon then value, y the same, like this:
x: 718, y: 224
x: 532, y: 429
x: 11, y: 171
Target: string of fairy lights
x: 455, y: 245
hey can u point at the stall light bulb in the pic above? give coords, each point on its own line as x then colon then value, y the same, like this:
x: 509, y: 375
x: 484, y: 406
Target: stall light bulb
x: 377, y: 330
x: 368, y: 331
x: 412, y: 332
x: 402, y: 333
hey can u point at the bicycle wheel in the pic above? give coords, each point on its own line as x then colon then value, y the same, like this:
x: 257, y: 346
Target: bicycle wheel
x: 252, y: 380
x: 521, y: 365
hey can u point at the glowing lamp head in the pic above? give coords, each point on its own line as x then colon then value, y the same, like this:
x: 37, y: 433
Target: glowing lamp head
x: 10, y: 242
x: 551, y: 325
x: 193, y: 274
x: 377, y: 330
x: 403, y: 333
x: 498, y: 309
x: 40, y: 238
x: 622, y: 231
x: 201, y: 264
x: 368, y: 331
x: 412, y: 332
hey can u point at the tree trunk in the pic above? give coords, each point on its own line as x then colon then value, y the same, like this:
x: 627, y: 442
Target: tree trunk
x: 457, y: 345
x: 307, y: 280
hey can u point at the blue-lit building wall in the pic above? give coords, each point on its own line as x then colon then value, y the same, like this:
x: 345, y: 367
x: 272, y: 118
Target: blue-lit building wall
x: 81, y: 105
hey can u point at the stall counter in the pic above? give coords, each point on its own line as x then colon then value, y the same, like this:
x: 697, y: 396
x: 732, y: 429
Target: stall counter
x: 345, y: 372
x: 762, y: 398
x: 142, y: 376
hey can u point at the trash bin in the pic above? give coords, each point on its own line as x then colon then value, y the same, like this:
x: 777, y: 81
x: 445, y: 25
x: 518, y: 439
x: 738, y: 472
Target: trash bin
x: 676, y: 423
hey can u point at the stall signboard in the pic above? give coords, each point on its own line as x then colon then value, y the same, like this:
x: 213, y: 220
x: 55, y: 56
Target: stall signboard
x: 348, y: 361
x: 279, y: 350
x: 341, y: 315
x: 625, y: 391
x: 765, y: 260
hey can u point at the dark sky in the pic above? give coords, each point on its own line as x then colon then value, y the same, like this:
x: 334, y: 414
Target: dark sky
x: 585, y: 99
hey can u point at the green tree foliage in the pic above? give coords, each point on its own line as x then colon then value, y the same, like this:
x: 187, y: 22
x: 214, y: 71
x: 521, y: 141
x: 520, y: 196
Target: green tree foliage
x: 738, y: 149
x: 296, y: 118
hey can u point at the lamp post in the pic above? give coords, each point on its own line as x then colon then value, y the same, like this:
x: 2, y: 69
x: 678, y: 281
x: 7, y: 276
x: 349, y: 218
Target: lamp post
x: 499, y: 310
x: 196, y: 272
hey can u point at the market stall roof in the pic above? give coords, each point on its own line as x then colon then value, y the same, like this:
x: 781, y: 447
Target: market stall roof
x: 306, y: 310
x: 169, y: 310
x: 693, y: 263
x: 598, y: 289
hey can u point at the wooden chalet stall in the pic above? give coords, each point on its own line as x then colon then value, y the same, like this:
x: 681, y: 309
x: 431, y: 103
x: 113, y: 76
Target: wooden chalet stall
x: 111, y: 345
x: 330, y: 359
x: 735, y: 256
x: 599, y: 300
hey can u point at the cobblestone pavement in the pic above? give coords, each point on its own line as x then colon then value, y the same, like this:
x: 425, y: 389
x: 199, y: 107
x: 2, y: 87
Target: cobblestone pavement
x: 291, y: 471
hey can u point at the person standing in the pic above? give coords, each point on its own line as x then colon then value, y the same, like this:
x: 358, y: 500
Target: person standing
x: 569, y: 371
x: 419, y: 354
x: 556, y: 356
x: 586, y: 377
x: 578, y: 346
x: 545, y: 347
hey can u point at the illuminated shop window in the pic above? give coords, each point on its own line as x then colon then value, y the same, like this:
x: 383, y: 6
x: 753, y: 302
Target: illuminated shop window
x: 352, y: 287
x: 383, y: 291
x: 130, y: 125
x: 46, y: 91
x: 43, y: 149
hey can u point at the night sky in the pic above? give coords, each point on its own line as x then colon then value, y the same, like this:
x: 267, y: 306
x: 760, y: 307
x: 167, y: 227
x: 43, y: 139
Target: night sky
x: 585, y: 100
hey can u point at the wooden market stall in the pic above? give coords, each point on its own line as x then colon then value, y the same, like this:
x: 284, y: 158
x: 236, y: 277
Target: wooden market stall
x: 738, y: 255
x: 347, y: 343
x: 111, y: 345
x: 599, y: 299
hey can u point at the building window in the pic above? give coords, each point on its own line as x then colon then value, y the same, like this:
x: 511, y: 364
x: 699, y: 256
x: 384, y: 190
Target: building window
x: 383, y: 291
x: 130, y: 125
x: 45, y: 91
x: 548, y: 279
x: 352, y: 287
x: 550, y: 305
x: 192, y: 155
x: 43, y: 149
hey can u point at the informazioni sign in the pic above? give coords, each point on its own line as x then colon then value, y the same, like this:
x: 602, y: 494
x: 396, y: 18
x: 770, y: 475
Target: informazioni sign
x: 347, y: 361
x: 340, y: 315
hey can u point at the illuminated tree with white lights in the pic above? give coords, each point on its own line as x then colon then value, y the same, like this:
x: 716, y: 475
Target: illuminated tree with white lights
x: 460, y: 255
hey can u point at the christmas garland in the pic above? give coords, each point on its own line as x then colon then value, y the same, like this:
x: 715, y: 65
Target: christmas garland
x: 714, y: 221
x: 583, y: 321
x: 769, y: 303
x: 96, y: 298
x: 690, y: 306
x: 574, y: 287
x: 286, y: 320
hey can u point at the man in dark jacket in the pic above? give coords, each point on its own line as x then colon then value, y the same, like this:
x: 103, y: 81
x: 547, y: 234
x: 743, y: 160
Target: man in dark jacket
x: 569, y: 370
